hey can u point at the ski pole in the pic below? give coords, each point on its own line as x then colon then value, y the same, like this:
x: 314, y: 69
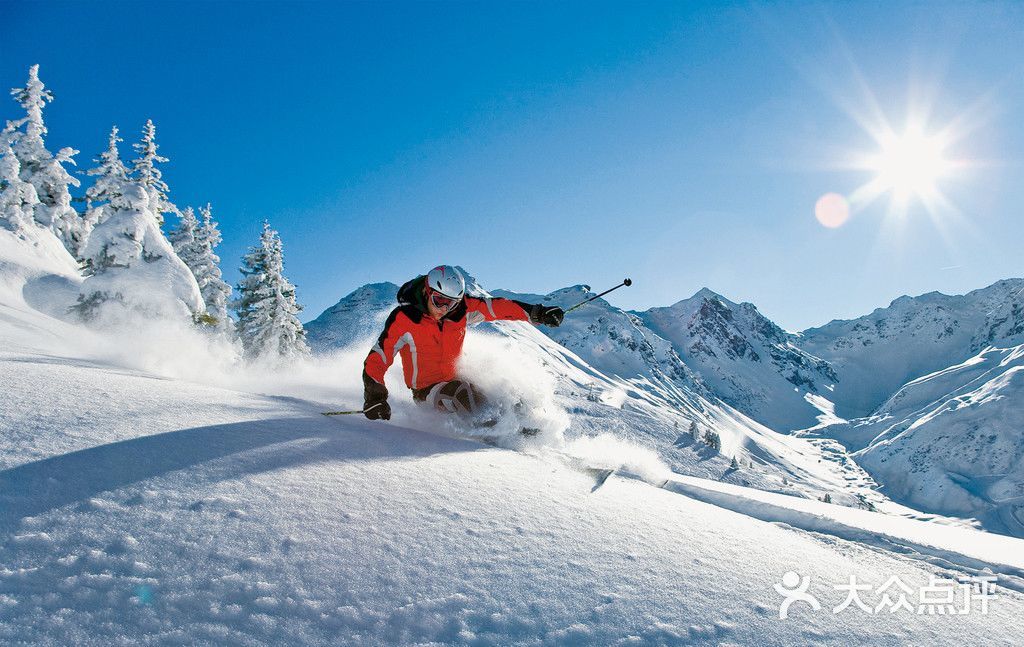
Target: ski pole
x: 349, y: 413
x: 625, y: 282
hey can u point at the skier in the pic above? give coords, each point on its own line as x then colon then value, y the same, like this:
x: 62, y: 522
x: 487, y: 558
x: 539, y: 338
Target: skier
x: 427, y: 329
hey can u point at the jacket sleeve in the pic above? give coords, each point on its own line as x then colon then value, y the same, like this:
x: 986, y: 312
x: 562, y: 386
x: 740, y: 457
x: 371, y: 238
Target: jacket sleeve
x: 382, y: 355
x: 496, y: 309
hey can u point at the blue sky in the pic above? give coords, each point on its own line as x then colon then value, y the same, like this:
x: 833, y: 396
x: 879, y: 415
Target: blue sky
x: 542, y: 145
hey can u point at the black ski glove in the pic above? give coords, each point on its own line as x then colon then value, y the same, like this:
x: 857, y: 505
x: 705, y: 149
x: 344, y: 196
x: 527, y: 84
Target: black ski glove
x: 375, y: 399
x: 547, y: 315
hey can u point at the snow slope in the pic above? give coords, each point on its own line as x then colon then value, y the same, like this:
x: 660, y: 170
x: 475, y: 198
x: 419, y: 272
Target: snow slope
x: 39, y: 281
x: 952, y: 442
x: 146, y: 500
x: 233, y: 517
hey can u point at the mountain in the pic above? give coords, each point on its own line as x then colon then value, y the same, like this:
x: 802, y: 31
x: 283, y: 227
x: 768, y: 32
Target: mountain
x: 951, y: 442
x: 876, y: 354
x: 613, y: 341
x: 842, y: 370
x: 725, y: 367
x: 747, y: 360
x: 357, y: 316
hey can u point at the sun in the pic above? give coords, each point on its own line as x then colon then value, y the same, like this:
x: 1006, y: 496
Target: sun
x: 918, y: 163
x: 910, y: 164
x: 910, y: 167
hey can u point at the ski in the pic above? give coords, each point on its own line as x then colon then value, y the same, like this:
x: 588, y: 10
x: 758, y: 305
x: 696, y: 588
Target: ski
x: 601, y: 477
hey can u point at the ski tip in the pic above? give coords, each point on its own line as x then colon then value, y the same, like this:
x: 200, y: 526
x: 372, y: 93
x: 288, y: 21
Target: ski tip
x: 600, y: 478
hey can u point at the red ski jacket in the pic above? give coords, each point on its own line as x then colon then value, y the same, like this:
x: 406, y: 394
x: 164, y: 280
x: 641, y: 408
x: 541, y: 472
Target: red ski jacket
x: 429, y: 348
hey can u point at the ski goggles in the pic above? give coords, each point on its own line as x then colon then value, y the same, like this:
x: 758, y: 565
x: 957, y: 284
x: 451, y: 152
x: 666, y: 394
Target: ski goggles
x: 442, y: 301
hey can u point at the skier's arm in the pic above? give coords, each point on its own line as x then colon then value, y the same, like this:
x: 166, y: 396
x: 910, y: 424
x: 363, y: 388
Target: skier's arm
x: 495, y: 309
x: 380, y: 358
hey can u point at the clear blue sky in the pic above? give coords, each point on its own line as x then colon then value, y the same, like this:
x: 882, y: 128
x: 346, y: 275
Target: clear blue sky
x: 549, y: 144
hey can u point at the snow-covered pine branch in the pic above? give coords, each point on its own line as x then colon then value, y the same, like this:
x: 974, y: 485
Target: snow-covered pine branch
x: 145, y: 172
x: 18, y: 198
x: 41, y: 168
x: 266, y: 307
x: 111, y: 175
x: 194, y: 241
x: 183, y: 238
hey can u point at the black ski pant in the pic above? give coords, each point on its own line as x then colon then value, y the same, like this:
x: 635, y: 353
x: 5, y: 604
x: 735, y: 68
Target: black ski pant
x: 456, y: 396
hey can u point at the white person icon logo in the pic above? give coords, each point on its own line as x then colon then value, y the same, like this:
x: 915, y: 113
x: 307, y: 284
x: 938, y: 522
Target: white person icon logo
x: 794, y: 589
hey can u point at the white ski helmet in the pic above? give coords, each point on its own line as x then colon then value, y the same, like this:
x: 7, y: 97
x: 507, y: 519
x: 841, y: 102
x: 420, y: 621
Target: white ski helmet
x: 447, y: 280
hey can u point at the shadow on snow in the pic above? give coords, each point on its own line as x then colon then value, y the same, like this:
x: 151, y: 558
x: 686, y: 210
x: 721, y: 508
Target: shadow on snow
x: 225, y: 451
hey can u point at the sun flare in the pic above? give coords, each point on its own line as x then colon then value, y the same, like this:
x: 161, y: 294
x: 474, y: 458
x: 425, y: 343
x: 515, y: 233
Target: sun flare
x: 910, y: 164
x: 911, y: 168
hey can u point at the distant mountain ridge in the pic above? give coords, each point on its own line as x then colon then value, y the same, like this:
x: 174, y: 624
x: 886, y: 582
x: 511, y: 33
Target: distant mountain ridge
x: 876, y: 354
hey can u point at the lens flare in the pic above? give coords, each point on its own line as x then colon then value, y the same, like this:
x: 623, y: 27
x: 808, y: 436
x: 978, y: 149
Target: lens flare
x: 832, y: 210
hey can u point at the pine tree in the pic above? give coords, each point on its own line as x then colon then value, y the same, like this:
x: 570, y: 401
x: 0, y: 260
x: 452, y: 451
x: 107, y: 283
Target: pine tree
x: 194, y: 243
x: 734, y: 465
x: 713, y: 440
x: 145, y: 172
x: 130, y: 263
x: 111, y: 176
x: 183, y: 239
x: 18, y: 198
x: 266, y: 307
x: 216, y: 291
x: 41, y: 168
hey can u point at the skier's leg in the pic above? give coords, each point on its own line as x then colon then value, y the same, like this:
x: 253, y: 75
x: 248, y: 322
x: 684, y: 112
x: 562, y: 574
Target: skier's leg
x: 457, y: 396
x: 466, y: 401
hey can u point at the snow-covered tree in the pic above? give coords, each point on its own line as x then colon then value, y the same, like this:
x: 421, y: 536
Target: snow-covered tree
x: 111, y: 176
x: 131, y: 264
x: 18, y: 198
x: 194, y: 242
x: 183, y: 238
x: 216, y: 291
x: 266, y: 307
x: 713, y: 440
x: 41, y: 168
x: 145, y: 172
